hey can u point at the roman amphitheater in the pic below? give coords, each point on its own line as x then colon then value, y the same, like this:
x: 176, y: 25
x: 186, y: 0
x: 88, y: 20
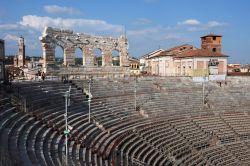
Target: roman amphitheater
x: 170, y: 124
x: 103, y: 118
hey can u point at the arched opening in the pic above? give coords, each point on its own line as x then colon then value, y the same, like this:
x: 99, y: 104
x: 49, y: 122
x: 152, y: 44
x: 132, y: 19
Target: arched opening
x: 97, y: 57
x: 59, y: 55
x: 78, y: 56
x: 115, y: 58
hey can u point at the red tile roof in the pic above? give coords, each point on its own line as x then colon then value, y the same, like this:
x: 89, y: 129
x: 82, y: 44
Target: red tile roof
x: 176, y: 50
x: 199, y: 53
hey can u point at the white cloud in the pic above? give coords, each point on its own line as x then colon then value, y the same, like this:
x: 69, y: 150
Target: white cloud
x: 54, y: 9
x: 11, y: 37
x: 141, y: 32
x: 38, y: 23
x: 173, y: 36
x: 196, y: 25
x: 212, y: 24
x: 142, y: 21
x: 190, y: 22
x: 9, y: 26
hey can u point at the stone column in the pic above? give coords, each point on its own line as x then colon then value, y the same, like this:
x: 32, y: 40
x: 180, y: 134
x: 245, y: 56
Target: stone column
x: 107, y: 58
x: 89, y: 57
x: 123, y: 42
x: 69, y: 56
x: 124, y: 58
x: 83, y: 57
x: 48, y: 53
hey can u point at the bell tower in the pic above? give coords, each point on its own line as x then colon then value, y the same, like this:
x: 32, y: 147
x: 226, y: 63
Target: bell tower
x: 21, y: 52
x: 211, y: 42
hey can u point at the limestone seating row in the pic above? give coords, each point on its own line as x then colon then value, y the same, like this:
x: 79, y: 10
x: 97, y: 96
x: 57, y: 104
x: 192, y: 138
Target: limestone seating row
x: 38, y: 153
x: 40, y: 139
x: 215, y: 125
x: 99, y: 138
x: 134, y: 147
x: 240, y: 151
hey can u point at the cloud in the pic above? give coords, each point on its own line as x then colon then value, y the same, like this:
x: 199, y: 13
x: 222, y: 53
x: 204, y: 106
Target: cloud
x: 190, y: 22
x: 9, y: 26
x: 213, y: 24
x: 54, y: 9
x: 142, y: 21
x: 196, y: 25
x: 31, y: 26
x: 142, y: 32
x: 174, y: 36
x: 38, y: 23
x: 11, y: 37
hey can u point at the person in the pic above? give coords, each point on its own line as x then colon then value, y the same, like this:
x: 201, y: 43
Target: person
x: 39, y: 73
x: 43, y: 76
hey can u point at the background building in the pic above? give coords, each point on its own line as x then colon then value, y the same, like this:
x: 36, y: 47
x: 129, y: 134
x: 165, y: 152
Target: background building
x: 134, y: 66
x: 186, y: 60
x: 211, y: 42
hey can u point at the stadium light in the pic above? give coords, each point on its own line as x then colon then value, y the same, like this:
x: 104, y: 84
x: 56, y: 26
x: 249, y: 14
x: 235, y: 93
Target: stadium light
x: 66, y: 131
x: 135, y: 91
x: 89, y: 100
x: 203, y: 90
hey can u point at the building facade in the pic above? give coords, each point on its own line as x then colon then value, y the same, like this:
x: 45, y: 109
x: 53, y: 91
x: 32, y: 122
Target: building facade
x: 134, y: 66
x: 201, y: 62
x: 186, y: 60
x: 2, y: 58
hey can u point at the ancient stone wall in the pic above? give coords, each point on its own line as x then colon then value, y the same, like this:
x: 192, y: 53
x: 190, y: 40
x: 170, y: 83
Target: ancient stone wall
x: 70, y: 41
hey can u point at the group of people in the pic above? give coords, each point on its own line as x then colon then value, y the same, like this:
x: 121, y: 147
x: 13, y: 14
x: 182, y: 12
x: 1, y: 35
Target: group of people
x: 42, y: 74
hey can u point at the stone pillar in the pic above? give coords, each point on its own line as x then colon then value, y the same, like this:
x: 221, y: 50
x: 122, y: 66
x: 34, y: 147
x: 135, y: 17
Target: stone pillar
x: 107, y: 58
x: 123, y: 42
x: 124, y: 58
x: 69, y: 56
x: 83, y: 57
x: 48, y: 53
x: 89, y: 57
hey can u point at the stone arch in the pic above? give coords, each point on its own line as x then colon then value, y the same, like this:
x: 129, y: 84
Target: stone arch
x: 59, y: 55
x: 116, y: 54
x: 79, y: 56
x: 98, y: 56
x: 69, y: 40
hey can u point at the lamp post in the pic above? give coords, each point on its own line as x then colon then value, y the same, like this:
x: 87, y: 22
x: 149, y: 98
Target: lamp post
x: 203, y: 90
x: 135, y: 91
x: 89, y: 100
x: 66, y: 132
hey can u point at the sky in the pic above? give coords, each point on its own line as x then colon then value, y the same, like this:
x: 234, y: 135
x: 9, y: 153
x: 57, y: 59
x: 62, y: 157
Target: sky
x: 148, y: 24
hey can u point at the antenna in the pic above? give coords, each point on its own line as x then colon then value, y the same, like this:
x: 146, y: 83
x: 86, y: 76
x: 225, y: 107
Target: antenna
x: 125, y: 31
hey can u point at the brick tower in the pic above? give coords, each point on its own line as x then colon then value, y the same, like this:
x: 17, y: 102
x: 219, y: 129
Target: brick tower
x: 211, y: 42
x: 21, y: 52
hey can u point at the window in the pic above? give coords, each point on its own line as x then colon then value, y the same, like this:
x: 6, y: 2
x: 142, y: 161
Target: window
x: 166, y: 64
x: 214, y: 37
x: 214, y: 49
